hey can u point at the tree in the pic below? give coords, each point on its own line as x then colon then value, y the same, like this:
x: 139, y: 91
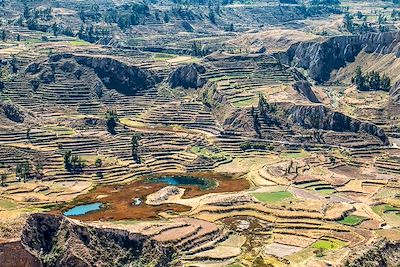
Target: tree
x: 27, y: 11
x: 112, y: 119
x: 28, y: 133
x: 73, y: 163
x: 3, y: 178
x: 39, y: 170
x: 134, y: 146
x: 3, y: 35
x: 98, y: 163
x: 13, y: 64
x: 22, y: 170
x: 54, y: 27
x: 359, y: 79
x: 348, y: 22
x: 166, y: 18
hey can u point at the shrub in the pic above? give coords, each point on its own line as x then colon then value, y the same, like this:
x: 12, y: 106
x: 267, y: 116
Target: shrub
x: 112, y: 119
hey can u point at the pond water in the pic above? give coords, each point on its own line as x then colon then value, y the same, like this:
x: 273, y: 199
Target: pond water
x: 202, y: 183
x: 83, y: 209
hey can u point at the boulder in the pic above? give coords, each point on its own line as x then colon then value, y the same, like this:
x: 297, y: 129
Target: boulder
x: 187, y: 76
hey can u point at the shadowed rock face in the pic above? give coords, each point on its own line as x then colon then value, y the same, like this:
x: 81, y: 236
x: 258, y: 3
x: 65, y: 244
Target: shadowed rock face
x: 187, y: 76
x: 58, y: 241
x: 395, y: 93
x: 304, y: 89
x: 321, y: 117
x: 321, y: 58
x: 13, y: 254
x: 381, y: 253
x: 115, y: 74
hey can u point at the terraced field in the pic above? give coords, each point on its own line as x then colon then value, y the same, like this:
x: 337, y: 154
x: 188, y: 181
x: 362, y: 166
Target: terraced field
x: 225, y: 134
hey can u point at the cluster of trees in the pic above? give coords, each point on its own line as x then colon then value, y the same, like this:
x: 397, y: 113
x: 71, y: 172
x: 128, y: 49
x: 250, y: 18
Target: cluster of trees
x: 371, y: 81
x: 395, y: 15
x: 199, y: 50
x: 92, y: 34
x: 251, y: 145
x: 73, y: 163
x: 24, y: 171
x: 127, y: 15
x: 364, y: 26
x: 325, y: 2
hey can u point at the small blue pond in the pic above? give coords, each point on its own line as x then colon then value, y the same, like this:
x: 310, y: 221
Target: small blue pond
x: 83, y: 209
x: 184, y: 181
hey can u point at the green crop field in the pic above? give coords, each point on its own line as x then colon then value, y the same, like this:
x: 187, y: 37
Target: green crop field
x: 381, y: 209
x: 352, y: 220
x: 273, y: 196
x: 329, y: 244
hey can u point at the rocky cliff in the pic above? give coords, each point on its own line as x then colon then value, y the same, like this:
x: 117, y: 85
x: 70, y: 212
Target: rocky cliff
x: 59, y: 241
x: 321, y: 58
x: 395, y: 93
x: 13, y: 254
x: 187, y: 76
x: 381, y: 253
x: 305, y: 90
x: 324, y: 118
x: 115, y: 74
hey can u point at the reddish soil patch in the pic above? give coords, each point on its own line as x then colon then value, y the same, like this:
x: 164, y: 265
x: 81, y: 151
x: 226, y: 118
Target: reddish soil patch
x: 13, y: 254
x: 226, y: 183
x: 118, y: 198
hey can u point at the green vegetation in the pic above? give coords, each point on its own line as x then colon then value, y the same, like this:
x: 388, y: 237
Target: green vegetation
x: 22, y: 171
x: 381, y: 209
x: 6, y: 204
x: 244, y: 103
x: 352, y: 220
x: 135, y: 145
x: 3, y: 179
x: 325, y: 192
x: 295, y: 155
x: 111, y: 120
x: 329, y: 244
x: 163, y: 56
x: 269, y: 197
x: 259, y: 146
x: 33, y: 41
x: 371, y: 81
x: 208, y: 154
x: 79, y: 43
x: 98, y: 163
x: 73, y: 163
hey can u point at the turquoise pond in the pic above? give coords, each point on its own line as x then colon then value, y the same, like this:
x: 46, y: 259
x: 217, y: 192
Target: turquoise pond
x: 83, y: 209
x: 184, y: 181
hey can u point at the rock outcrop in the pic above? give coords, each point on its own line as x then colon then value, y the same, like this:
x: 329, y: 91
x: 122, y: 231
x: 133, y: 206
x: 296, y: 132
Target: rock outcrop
x: 187, y: 76
x: 12, y: 111
x: 115, y: 74
x: 13, y: 254
x: 239, y: 121
x: 324, y: 118
x: 59, y: 241
x: 321, y: 58
x: 304, y: 89
x: 395, y: 93
x: 381, y: 253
